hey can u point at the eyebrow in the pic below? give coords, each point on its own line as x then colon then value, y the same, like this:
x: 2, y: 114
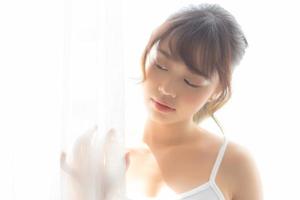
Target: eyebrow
x: 167, y: 55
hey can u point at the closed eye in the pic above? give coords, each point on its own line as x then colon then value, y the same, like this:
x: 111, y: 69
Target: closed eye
x: 186, y: 81
x: 190, y: 84
x: 160, y: 67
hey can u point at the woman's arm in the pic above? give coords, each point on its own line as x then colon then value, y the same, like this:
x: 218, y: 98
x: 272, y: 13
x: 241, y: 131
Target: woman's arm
x: 248, y: 184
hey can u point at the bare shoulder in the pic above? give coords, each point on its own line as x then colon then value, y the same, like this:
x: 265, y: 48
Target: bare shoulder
x: 243, y: 172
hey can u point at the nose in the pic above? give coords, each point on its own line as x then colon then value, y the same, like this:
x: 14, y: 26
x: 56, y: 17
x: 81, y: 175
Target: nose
x: 163, y: 91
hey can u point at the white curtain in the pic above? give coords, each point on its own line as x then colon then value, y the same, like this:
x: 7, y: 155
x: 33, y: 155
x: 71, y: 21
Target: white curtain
x: 64, y: 72
x: 93, y: 101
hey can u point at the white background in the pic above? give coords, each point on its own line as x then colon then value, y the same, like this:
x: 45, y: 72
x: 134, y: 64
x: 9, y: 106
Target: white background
x: 262, y: 114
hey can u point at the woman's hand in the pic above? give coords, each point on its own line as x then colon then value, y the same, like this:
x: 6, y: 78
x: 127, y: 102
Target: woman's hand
x: 95, y: 167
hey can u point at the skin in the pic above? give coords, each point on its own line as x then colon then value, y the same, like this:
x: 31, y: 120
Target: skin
x: 176, y: 154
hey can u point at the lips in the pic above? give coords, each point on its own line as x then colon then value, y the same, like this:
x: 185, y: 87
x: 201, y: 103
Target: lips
x: 162, y: 103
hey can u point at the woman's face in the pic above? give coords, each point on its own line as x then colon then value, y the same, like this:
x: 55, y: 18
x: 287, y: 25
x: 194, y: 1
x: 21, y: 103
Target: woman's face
x: 170, y: 82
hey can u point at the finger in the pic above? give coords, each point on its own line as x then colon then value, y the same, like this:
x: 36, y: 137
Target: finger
x: 63, y: 164
x: 66, y: 167
x: 127, y: 160
x: 111, y: 135
x: 62, y: 158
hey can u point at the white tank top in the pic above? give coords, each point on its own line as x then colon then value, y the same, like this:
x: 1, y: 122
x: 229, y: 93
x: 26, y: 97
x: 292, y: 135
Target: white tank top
x: 206, y: 191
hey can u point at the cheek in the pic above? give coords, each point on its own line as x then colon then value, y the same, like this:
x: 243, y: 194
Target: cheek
x: 194, y: 101
x: 150, y: 73
x: 151, y: 80
x: 152, y: 77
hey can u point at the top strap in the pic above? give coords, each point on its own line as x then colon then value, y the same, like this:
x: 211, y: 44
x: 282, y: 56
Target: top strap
x: 219, y: 159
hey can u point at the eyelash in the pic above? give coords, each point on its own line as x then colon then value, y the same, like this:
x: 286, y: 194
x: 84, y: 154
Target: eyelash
x: 191, y: 85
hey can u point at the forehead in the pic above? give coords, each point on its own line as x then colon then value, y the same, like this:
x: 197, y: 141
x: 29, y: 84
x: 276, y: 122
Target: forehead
x: 162, y: 47
x: 191, y: 53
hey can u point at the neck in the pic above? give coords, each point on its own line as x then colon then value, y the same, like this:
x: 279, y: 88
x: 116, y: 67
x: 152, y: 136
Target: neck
x: 158, y: 135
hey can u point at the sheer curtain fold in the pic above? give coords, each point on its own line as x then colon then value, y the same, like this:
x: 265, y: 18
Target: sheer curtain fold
x: 92, y: 164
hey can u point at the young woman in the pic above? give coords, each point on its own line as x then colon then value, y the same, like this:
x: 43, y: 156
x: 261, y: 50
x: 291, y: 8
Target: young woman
x: 187, y: 67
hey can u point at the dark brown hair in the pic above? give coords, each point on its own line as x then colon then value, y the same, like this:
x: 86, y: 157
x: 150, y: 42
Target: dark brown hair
x: 208, y: 40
